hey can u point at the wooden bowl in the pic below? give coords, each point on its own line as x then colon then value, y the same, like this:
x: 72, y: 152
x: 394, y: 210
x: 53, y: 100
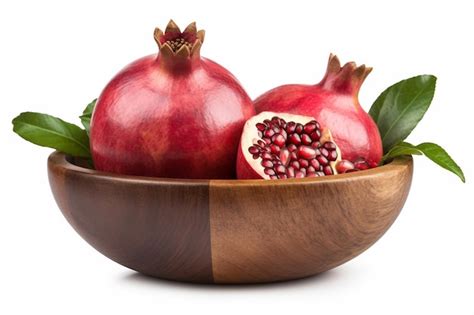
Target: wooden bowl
x: 230, y: 231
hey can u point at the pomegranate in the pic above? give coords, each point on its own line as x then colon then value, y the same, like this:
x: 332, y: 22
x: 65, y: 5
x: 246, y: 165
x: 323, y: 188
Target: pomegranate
x: 172, y: 114
x: 334, y: 104
x: 280, y: 146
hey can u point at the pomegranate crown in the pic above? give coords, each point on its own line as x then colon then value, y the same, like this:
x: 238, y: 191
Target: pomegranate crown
x: 347, y: 78
x: 176, y: 44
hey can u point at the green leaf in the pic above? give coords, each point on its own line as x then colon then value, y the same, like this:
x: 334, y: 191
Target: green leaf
x: 87, y: 115
x: 399, y: 108
x: 48, y: 131
x: 402, y: 148
x: 432, y: 151
x: 438, y: 155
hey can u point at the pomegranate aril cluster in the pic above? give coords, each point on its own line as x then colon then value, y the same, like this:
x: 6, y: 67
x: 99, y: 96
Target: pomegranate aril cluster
x: 293, y: 150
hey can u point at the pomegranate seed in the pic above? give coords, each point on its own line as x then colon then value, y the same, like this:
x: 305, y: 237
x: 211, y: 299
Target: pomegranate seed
x: 299, y: 128
x: 280, y: 169
x: 276, y: 120
x: 290, y: 127
x: 322, y: 160
x: 256, y: 156
x: 282, y: 122
x: 291, y: 147
x: 269, y: 171
x: 290, y: 172
x: 303, y: 163
x: 332, y: 156
x: 344, y: 166
x: 330, y: 145
x: 278, y: 140
x: 303, y: 170
x: 295, y: 164
x: 306, y: 152
x: 372, y: 164
x: 320, y: 173
x: 310, y: 127
x: 261, y: 126
x: 315, y: 135
x: 361, y: 164
x: 267, y: 122
x: 327, y: 170
x: 276, y: 129
x: 266, y: 156
x: 285, y: 156
x: 254, y: 150
x: 306, y: 139
x: 284, y: 134
x: 314, y: 163
x: 269, y: 133
x: 299, y: 174
x: 311, y: 169
x: 282, y: 176
x: 273, y: 177
x: 295, y: 139
x: 293, y: 156
x: 275, y: 149
x: 312, y: 174
x: 267, y: 163
x: 324, y: 151
x: 261, y: 143
x: 267, y: 141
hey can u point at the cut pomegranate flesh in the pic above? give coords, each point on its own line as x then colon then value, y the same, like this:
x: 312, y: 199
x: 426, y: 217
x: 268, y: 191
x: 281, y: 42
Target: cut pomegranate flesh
x: 280, y: 146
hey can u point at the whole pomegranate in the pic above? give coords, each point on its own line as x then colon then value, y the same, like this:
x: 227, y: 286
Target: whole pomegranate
x: 174, y: 114
x: 334, y: 104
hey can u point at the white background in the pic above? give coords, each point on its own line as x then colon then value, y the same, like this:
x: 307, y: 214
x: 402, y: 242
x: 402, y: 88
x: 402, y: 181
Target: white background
x: 57, y: 55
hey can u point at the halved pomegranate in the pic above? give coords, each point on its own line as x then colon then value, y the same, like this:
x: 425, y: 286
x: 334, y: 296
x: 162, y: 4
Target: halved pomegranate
x: 280, y: 146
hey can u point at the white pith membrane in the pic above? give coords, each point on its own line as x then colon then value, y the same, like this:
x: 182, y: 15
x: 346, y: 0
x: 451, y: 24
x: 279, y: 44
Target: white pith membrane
x: 277, y: 147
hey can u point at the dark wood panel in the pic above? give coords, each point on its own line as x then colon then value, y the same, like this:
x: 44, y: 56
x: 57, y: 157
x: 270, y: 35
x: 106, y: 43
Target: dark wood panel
x: 159, y: 228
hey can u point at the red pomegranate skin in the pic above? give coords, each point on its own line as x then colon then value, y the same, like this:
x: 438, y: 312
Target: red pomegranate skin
x: 168, y: 116
x: 335, y: 105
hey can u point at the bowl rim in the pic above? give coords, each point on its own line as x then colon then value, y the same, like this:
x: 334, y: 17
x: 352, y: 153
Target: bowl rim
x: 65, y: 162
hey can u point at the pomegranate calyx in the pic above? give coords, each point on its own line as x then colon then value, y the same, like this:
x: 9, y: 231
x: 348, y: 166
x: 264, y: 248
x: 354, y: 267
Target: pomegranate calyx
x: 176, y: 47
x: 346, y: 79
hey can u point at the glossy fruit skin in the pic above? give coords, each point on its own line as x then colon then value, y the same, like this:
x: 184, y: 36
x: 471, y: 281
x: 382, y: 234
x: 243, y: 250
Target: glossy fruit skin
x: 334, y: 104
x: 165, y: 117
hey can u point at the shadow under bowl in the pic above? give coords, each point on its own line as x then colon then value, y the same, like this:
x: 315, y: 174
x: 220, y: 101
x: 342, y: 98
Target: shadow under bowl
x: 229, y: 231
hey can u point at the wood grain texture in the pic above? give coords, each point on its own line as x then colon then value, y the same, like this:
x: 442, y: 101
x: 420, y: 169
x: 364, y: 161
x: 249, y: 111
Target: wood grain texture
x: 281, y: 230
x: 230, y: 231
x: 159, y: 228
